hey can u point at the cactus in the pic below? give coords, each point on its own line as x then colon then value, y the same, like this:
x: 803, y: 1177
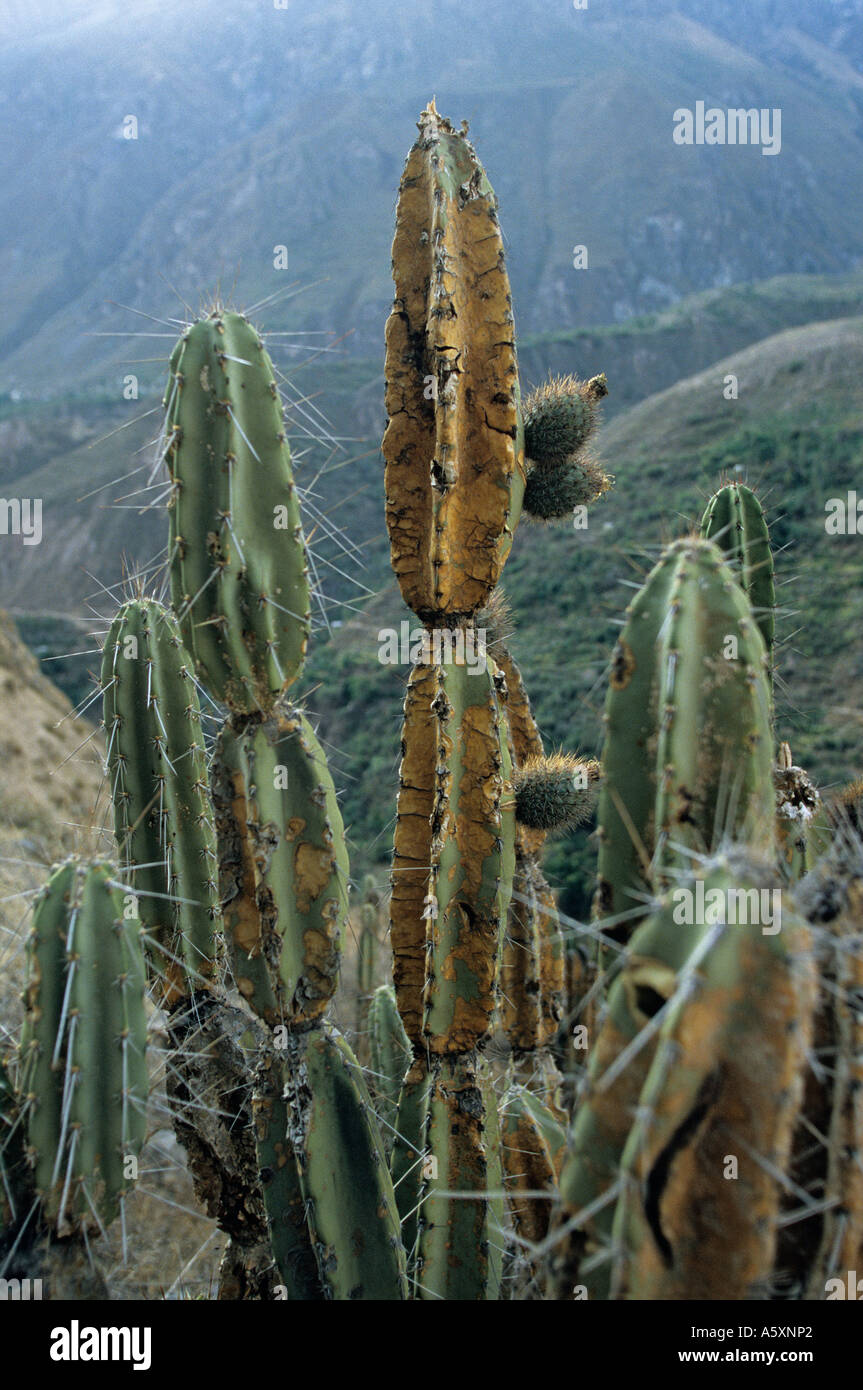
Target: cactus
x: 705, y: 1038
x: 461, y: 1240
x: 735, y: 520
x: 239, y: 577
x: 391, y: 1057
x: 83, y: 1074
x: 163, y: 820
x: 285, y: 913
x: 453, y: 444
x: 688, y: 747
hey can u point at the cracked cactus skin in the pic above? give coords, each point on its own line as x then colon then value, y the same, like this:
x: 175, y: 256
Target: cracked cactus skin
x: 729, y: 1061
x: 688, y: 745
x: 735, y: 520
x: 350, y: 1204
x: 460, y: 1238
x: 454, y: 442
x: 83, y: 1066
x: 284, y: 864
x: 454, y: 855
x: 472, y: 857
x: 239, y: 577
x: 706, y: 1035
x: 157, y: 766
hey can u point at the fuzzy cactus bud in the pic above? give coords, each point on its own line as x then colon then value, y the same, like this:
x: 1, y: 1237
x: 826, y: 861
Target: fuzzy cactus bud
x: 555, y: 793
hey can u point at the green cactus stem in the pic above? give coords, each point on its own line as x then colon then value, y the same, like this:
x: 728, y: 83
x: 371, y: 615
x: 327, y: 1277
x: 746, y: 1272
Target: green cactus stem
x: 687, y: 760
x: 157, y: 766
x: 83, y: 1073
x: 735, y: 520
x: 239, y: 577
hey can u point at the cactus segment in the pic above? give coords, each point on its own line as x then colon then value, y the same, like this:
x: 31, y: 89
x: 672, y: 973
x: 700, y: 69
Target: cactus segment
x: 688, y: 748
x: 284, y: 1199
x: 409, y: 1153
x: 279, y: 820
x: 412, y: 847
x: 472, y: 857
x: 367, y: 949
x: 239, y: 578
x: 163, y: 821
x: 528, y: 1166
x: 460, y: 1236
x: 350, y: 1203
x: 520, y: 986
x: 724, y: 1086
x: 735, y: 520
x: 453, y: 444
x: 391, y: 1056
x: 555, y: 793
x: 83, y: 1067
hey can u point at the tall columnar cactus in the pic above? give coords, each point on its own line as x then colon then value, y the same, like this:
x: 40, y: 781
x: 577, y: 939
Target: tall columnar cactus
x: 163, y: 819
x: 239, y: 577
x: 83, y: 1072
x: 688, y: 747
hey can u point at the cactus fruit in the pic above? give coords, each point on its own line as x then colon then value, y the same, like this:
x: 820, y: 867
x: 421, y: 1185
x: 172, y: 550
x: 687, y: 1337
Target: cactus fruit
x: 239, y: 577
x: 734, y: 519
x: 559, y: 420
x: 560, y: 417
x: 797, y: 806
x: 83, y: 1073
x: 284, y: 864
x: 453, y: 443
x: 555, y: 793
x: 391, y: 1057
x: 688, y: 747
x: 163, y: 821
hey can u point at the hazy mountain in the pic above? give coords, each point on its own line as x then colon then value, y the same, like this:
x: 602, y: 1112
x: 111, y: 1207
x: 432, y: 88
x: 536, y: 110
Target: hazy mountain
x: 259, y: 127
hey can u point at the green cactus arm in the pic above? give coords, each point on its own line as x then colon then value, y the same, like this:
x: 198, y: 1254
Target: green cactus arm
x: 688, y: 747
x: 239, y: 577
x: 343, y: 1171
x: 391, y: 1056
x: 157, y: 766
x: 735, y: 520
x: 83, y: 1063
